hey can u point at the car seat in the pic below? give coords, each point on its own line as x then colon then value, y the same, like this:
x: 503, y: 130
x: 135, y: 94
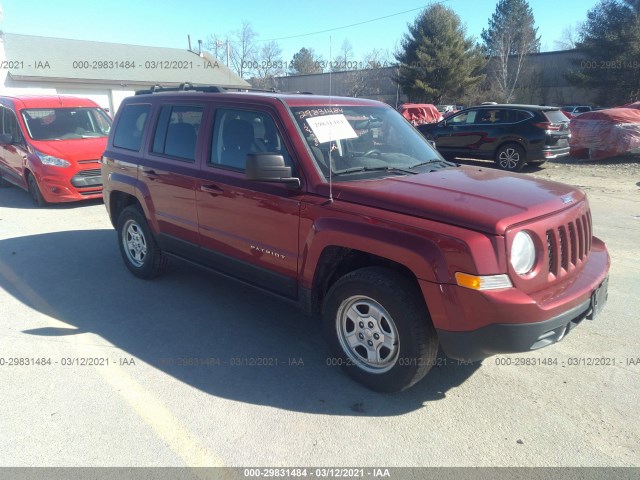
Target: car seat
x: 238, y: 139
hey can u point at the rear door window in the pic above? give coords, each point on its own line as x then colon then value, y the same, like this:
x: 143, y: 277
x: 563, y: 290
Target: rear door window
x: 519, y: 115
x: 492, y: 116
x: 128, y: 132
x: 177, y: 131
x: 465, y: 118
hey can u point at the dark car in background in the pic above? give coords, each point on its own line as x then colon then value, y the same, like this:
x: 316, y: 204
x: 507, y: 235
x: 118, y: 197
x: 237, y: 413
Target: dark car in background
x: 512, y: 135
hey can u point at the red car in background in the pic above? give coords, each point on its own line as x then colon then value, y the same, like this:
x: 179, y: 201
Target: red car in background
x: 420, y: 113
x: 51, y: 146
x: 605, y: 133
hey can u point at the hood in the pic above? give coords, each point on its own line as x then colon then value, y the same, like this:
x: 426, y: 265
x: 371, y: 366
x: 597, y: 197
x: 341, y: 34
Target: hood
x: 476, y: 198
x: 72, y: 150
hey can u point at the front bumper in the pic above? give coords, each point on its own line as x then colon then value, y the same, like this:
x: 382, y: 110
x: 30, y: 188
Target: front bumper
x: 472, y: 325
x: 522, y: 337
x: 69, y: 186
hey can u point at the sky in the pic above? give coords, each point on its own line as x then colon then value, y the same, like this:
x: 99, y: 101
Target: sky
x: 294, y: 24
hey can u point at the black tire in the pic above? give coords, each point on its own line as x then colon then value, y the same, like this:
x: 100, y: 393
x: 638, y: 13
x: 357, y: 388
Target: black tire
x: 138, y: 247
x: 393, y: 326
x: 511, y: 157
x: 34, y: 191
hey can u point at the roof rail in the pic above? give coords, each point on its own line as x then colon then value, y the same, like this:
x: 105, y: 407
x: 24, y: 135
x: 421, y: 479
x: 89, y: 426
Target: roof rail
x: 181, y: 88
x: 184, y: 87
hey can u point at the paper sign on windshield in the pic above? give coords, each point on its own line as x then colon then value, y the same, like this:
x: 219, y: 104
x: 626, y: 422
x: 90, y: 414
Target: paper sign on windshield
x: 331, y: 127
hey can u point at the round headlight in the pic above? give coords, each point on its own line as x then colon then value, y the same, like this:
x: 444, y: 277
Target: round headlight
x: 523, y: 253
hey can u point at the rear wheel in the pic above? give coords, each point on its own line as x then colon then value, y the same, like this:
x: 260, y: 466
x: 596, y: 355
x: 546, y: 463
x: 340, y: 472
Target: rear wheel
x: 34, y: 191
x: 138, y: 248
x: 379, y: 329
x: 511, y: 157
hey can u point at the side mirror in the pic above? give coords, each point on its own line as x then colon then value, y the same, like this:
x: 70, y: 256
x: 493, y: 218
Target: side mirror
x: 6, y: 139
x: 269, y: 167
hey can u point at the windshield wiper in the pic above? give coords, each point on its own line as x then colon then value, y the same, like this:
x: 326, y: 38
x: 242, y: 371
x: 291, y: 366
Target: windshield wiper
x: 432, y: 161
x: 347, y: 171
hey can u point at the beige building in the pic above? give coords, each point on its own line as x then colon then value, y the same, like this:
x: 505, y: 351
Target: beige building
x: 103, y: 72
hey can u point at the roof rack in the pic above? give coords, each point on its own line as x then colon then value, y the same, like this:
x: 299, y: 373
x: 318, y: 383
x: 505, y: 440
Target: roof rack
x: 189, y: 87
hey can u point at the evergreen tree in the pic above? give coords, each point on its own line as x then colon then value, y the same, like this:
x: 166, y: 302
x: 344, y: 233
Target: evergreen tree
x: 437, y: 62
x: 610, y: 47
x: 305, y: 62
x: 511, y: 36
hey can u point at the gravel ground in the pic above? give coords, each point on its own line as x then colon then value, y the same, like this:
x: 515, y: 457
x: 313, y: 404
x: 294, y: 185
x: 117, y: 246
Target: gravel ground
x: 619, y: 172
x: 612, y: 175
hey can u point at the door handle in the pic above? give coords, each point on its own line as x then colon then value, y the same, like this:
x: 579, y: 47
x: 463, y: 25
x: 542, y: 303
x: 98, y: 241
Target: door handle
x: 150, y: 173
x: 214, y: 189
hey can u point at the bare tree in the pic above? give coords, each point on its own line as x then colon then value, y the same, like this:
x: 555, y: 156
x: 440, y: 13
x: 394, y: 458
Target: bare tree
x: 269, y: 64
x: 243, y: 51
x: 569, y: 37
x: 510, y: 38
x: 345, y: 59
x: 367, y: 79
x: 217, y: 45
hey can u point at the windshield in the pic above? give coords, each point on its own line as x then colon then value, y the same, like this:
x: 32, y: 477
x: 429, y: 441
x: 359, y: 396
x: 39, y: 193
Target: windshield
x: 357, y: 139
x: 66, y: 123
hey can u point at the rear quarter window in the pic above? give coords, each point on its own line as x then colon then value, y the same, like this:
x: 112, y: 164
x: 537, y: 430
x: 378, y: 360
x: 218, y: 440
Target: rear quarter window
x: 130, y: 127
x: 555, y: 116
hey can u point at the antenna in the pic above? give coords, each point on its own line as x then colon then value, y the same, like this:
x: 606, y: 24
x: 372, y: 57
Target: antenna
x: 330, y: 128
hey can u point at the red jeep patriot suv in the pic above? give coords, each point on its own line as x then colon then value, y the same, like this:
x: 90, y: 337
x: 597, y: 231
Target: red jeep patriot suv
x: 340, y: 205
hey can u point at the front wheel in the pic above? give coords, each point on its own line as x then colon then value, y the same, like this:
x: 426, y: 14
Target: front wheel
x: 138, y: 248
x: 511, y: 157
x: 34, y: 191
x: 379, y: 329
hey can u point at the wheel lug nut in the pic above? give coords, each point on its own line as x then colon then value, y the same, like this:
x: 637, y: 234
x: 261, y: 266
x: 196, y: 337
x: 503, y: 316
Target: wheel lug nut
x: 376, y: 336
x: 370, y: 324
x: 361, y: 336
x: 361, y: 324
x: 370, y: 343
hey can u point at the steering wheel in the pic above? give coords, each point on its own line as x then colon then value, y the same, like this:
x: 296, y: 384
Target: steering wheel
x: 374, y: 151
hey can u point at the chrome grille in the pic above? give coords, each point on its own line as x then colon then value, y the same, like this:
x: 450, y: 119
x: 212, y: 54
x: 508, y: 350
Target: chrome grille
x: 568, y: 245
